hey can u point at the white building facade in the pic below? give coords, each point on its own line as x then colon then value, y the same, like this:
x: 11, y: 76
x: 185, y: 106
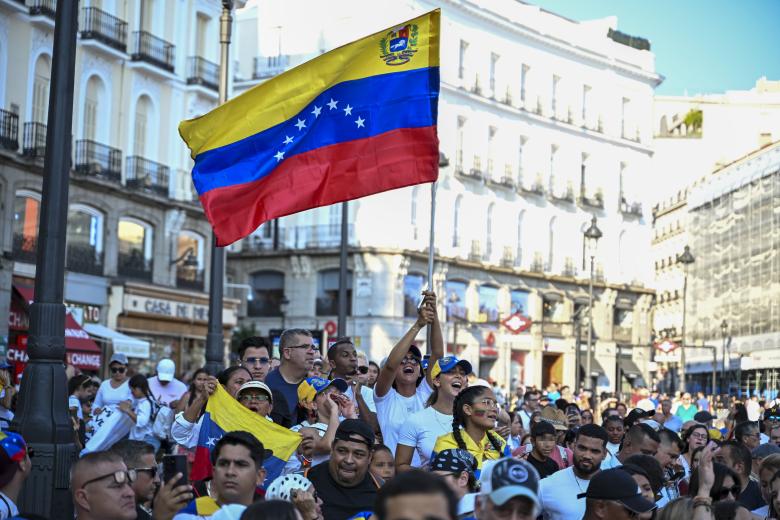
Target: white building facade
x: 544, y: 122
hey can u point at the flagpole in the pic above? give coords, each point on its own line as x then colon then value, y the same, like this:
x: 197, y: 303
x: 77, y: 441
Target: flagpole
x: 431, y: 251
x: 342, y: 326
x: 215, y: 344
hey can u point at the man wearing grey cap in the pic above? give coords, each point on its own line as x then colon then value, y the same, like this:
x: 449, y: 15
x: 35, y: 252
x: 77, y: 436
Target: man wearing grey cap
x: 510, y: 489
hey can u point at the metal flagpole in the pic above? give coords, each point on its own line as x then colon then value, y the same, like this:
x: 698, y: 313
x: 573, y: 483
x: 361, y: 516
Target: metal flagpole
x: 42, y: 412
x: 342, y: 326
x: 431, y: 251
x: 215, y: 344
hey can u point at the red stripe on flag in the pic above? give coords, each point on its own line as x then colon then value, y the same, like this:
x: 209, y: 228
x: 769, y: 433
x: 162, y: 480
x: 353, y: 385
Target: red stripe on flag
x: 201, y: 466
x: 324, y: 176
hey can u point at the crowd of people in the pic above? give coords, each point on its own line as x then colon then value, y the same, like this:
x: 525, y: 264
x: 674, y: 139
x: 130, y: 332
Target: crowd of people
x: 410, y: 437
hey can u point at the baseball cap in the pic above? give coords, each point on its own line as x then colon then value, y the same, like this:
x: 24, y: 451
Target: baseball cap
x: 555, y: 417
x: 12, y: 450
x: 765, y: 450
x: 703, y: 416
x: 509, y: 478
x: 282, y: 487
x: 310, y: 387
x: 355, y: 430
x: 166, y: 369
x: 118, y: 357
x: 258, y: 385
x: 616, y: 484
x: 455, y: 460
x: 772, y: 414
x: 635, y: 415
x: 447, y: 363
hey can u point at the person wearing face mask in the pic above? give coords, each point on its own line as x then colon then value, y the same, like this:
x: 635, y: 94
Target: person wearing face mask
x: 115, y: 390
x: 419, y: 432
x: 474, y: 416
x: 402, y: 388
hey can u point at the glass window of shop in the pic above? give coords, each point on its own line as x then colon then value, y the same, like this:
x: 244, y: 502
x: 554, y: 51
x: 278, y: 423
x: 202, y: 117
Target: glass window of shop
x: 189, y: 275
x: 518, y: 302
x: 135, y: 249
x: 267, y: 294
x: 413, y: 287
x: 328, y: 292
x: 85, y: 240
x: 27, y: 208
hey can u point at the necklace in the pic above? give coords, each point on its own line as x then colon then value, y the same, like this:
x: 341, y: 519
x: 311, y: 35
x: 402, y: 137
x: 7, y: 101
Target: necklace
x: 577, y: 480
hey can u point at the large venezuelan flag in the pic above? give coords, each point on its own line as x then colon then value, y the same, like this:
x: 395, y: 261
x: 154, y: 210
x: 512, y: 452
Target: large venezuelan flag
x: 225, y: 414
x: 355, y: 121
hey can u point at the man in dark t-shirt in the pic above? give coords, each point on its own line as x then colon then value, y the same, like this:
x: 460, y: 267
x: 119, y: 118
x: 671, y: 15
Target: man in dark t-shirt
x: 344, y: 483
x: 543, y: 437
x: 296, y: 350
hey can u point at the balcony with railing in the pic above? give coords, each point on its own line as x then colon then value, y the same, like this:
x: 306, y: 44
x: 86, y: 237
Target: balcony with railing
x: 269, y: 66
x: 148, y: 176
x: 631, y: 209
x: 98, y: 160
x: 534, y: 188
x: 508, y: 257
x: 24, y: 248
x: 326, y: 236
x: 150, y: 49
x: 34, y: 144
x: 475, y: 254
x: 100, y: 26
x: 9, y: 130
x: 134, y: 265
x: 537, y: 264
x: 189, y: 278
x: 563, y: 194
x: 202, y: 72
x: 594, y: 200
x: 84, y: 258
x: 506, y: 180
x: 46, y: 8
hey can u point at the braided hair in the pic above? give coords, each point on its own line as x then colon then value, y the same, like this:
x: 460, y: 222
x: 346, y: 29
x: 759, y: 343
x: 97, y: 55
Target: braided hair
x: 468, y: 397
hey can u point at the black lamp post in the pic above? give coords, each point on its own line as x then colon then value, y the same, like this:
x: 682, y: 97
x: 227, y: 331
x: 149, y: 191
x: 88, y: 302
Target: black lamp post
x: 591, y: 236
x: 724, y: 329
x: 284, y: 304
x: 685, y: 259
x: 42, y: 411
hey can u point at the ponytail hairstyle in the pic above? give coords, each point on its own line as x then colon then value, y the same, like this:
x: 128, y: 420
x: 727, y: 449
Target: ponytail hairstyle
x: 139, y: 381
x: 469, y: 396
x: 76, y: 382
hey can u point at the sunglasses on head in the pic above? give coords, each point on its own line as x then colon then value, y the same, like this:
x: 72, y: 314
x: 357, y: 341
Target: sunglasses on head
x: 118, y: 370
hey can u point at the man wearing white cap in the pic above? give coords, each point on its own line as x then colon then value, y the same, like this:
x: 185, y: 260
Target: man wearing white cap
x: 164, y: 386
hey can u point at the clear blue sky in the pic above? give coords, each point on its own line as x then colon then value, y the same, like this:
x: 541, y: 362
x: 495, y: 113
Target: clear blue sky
x: 701, y: 46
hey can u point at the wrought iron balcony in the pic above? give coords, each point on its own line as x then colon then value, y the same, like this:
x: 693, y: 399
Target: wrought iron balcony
x: 633, y: 209
x: 593, y: 201
x: 151, y: 49
x: 24, y: 248
x: 475, y: 255
x: 34, y: 144
x: 98, y: 160
x: 269, y: 66
x: 202, y: 72
x: 564, y: 195
x: 537, y: 188
x: 134, y: 265
x: 302, y: 237
x: 84, y: 258
x: 43, y: 7
x: 9, y: 130
x: 508, y: 257
x: 100, y: 26
x: 146, y: 175
x: 188, y: 278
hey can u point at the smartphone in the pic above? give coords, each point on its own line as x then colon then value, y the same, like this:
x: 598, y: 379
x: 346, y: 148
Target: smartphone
x: 173, y: 464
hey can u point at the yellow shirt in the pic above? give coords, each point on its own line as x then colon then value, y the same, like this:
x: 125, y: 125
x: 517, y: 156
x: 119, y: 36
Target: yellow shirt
x: 482, y: 451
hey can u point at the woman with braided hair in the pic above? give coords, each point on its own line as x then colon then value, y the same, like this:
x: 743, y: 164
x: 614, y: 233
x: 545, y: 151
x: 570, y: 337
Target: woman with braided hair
x: 474, y: 415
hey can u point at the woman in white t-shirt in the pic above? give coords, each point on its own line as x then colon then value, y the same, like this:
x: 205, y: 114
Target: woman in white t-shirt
x: 401, y: 388
x: 420, y: 431
x: 141, y: 412
x: 115, y: 390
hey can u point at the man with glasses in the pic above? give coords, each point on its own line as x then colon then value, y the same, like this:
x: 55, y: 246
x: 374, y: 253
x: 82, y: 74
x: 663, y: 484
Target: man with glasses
x: 256, y: 396
x: 297, y: 352
x: 139, y: 457
x: 747, y: 433
x: 343, y: 360
x: 771, y: 421
x: 254, y: 354
x: 102, y: 488
x: 530, y: 405
x: 613, y: 494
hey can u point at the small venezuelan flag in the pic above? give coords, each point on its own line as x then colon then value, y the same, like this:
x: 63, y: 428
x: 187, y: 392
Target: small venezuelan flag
x: 225, y: 414
x: 355, y: 121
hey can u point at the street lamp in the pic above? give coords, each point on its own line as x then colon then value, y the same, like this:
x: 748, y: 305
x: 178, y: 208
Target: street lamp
x: 284, y: 303
x: 591, y: 236
x: 685, y: 259
x: 724, y: 329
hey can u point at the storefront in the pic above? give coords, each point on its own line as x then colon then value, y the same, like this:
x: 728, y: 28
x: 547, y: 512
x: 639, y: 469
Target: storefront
x: 80, y: 350
x: 173, y: 323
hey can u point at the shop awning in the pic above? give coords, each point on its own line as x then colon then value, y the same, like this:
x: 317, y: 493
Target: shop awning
x: 131, y: 347
x: 629, y: 368
x: 596, y: 370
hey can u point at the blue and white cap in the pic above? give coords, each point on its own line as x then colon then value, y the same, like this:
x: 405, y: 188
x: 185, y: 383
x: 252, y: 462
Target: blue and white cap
x: 508, y: 478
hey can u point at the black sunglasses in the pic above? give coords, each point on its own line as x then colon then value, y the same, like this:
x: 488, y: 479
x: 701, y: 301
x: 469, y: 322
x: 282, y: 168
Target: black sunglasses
x: 118, y: 370
x: 363, y: 369
x: 724, y: 493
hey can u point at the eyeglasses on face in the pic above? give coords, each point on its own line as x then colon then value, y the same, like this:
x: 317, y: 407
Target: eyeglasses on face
x: 363, y: 369
x: 151, y: 471
x: 724, y: 493
x: 256, y: 361
x: 307, y: 346
x: 700, y: 436
x: 120, y: 478
x: 410, y: 360
x: 490, y: 403
x: 118, y: 370
x: 248, y: 398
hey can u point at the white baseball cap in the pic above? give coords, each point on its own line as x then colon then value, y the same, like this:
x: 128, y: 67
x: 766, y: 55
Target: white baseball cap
x: 166, y: 369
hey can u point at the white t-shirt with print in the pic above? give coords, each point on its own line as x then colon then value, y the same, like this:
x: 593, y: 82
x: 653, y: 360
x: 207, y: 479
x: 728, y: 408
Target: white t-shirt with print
x: 393, y: 409
x: 420, y: 432
x: 560, y: 485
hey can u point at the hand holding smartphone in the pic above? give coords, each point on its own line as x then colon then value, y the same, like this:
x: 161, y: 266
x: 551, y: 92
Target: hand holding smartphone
x: 173, y: 464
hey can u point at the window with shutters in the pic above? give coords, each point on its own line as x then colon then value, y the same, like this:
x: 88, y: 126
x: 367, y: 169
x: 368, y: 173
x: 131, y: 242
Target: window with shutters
x: 40, y: 104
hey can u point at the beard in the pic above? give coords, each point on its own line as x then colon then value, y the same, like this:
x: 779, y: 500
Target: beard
x: 588, y: 469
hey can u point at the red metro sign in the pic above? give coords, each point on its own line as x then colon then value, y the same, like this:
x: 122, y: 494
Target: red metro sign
x: 517, y: 323
x: 667, y: 346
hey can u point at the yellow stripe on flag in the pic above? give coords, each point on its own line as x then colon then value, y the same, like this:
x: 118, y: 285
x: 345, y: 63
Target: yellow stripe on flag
x: 284, y: 96
x: 230, y: 415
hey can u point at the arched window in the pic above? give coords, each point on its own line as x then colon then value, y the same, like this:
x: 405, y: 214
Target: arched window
x: 94, y: 93
x: 189, y: 269
x: 267, y: 294
x: 488, y: 303
x: 455, y: 291
x: 413, y: 286
x: 135, y: 249
x: 27, y: 209
x: 85, y: 240
x: 456, y: 222
x: 40, y: 99
x: 328, y: 292
x: 141, y: 135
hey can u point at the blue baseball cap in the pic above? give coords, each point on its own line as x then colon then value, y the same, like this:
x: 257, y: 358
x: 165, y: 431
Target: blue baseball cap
x: 448, y: 363
x: 312, y: 386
